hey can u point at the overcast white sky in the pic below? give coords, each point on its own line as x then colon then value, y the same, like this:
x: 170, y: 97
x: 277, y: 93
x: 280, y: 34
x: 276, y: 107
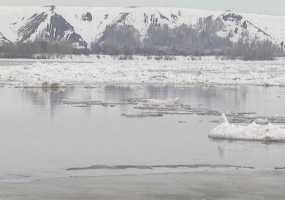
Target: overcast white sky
x: 274, y: 7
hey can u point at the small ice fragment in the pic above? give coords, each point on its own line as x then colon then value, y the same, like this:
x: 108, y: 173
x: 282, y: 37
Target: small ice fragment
x: 261, y: 121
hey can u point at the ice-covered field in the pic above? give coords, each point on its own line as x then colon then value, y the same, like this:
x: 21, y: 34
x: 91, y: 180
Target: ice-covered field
x: 152, y: 70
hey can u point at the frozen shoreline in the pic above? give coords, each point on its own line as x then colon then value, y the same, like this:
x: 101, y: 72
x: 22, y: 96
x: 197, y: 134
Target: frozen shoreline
x: 141, y: 70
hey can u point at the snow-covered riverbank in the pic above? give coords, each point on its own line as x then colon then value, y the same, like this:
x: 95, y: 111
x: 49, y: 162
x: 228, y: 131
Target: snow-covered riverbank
x: 158, y: 70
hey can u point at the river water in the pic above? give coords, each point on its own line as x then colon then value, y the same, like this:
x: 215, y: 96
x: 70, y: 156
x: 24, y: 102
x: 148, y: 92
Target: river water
x: 41, y: 136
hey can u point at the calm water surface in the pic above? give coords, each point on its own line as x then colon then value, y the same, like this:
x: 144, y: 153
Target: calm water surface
x: 40, y: 136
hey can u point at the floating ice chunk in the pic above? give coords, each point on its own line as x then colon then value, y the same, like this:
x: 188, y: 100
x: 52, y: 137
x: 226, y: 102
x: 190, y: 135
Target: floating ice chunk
x: 142, y: 115
x: 225, y: 118
x: 162, y: 102
x: 251, y: 132
x: 261, y: 121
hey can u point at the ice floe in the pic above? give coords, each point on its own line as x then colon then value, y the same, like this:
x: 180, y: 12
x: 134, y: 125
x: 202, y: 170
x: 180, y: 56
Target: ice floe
x: 151, y: 167
x: 251, y: 132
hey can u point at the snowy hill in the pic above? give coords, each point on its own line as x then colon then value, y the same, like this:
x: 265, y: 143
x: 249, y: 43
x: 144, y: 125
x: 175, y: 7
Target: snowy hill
x: 83, y: 25
x: 3, y: 39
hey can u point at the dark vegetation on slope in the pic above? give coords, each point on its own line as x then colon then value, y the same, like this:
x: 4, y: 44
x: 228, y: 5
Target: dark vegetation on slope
x: 38, y: 49
x: 200, y: 39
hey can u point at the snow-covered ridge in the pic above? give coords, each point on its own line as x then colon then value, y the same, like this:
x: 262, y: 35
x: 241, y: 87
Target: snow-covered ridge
x: 87, y: 24
x: 3, y: 39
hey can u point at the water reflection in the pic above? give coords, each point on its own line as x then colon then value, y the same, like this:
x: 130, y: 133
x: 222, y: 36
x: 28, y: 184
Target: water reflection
x: 263, y: 101
x: 119, y: 93
x: 47, y: 98
x: 221, y: 151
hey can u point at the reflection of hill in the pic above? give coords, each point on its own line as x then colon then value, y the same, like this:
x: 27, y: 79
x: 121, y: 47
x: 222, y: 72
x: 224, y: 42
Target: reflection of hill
x: 48, y: 99
x: 215, y: 98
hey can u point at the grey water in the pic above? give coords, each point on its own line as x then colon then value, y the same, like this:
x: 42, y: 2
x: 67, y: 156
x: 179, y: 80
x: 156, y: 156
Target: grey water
x: 40, y: 135
x: 193, y: 185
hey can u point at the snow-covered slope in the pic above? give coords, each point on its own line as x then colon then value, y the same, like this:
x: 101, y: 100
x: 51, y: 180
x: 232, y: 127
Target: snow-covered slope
x: 3, y: 39
x: 84, y: 25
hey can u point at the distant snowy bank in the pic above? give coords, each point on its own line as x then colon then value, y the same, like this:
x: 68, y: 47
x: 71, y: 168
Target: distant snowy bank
x: 252, y: 132
x: 91, y: 70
